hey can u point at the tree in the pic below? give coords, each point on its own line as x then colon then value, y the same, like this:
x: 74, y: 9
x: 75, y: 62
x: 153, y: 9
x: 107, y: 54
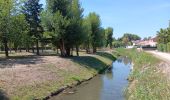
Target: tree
x: 32, y: 10
x: 59, y: 23
x: 87, y: 34
x: 67, y: 24
x: 6, y: 7
x: 95, y: 28
x: 18, y: 32
x: 109, y: 36
x: 125, y: 41
x: 58, y: 5
x: 163, y: 36
x: 127, y: 38
x: 75, y: 35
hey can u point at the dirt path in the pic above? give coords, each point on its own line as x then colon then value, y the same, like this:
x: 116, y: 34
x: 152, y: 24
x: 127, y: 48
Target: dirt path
x: 163, y: 56
x: 164, y: 66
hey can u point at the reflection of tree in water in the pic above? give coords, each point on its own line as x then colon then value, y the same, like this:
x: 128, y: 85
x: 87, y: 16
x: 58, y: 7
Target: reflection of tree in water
x: 125, y: 60
x: 119, y: 60
x: 109, y: 74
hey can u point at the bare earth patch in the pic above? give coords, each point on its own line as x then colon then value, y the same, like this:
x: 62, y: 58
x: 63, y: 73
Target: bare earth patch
x: 32, y: 70
x: 29, y: 77
x: 165, y: 65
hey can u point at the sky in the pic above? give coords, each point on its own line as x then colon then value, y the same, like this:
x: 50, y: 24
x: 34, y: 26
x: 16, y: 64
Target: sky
x: 141, y: 17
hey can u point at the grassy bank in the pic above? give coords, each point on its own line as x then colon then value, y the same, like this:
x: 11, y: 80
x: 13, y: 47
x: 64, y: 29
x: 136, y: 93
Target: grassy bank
x: 43, y: 79
x: 147, y: 82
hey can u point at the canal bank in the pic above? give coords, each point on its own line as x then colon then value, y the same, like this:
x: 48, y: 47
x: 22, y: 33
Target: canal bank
x: 48, y: 74
x: 147, y: 80
x: 96, y: 64
x: 107, y: 86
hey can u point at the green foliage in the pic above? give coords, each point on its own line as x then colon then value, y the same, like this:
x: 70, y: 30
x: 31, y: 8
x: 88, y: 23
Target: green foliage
x: 160, y: 47
x: 87, y: 34
x: 163, y: 36
x: 32, y: 10
x: 131, y: 37
x: 6, y: 7
x: 59, y: 5
x: 97, y: 33
x: 168, y: 47
x: 75, y: 34
x: 109, y: 36
x: 18, y: 33
x: 164, y: 47
x: 117, y: 44
x: 127, y: 39
x: 24, y: 24
x: 163, y: 39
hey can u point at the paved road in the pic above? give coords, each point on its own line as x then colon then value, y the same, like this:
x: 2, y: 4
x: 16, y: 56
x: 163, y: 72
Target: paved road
x: 161, y: 55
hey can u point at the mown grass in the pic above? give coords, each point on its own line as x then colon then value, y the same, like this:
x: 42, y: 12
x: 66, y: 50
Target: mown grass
x: 146, y: 80
x: 88, y: 67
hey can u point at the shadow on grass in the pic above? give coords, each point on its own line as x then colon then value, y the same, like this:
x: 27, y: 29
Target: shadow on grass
x: 3, y: 95
x: 106, y: 55
x: 23, y: 60
x: 90, y: 62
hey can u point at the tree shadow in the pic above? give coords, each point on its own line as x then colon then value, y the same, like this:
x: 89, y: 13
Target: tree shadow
x: 90, y: 62
x: 23, y: 60
x: 3, y: 95
x: 106, y: 55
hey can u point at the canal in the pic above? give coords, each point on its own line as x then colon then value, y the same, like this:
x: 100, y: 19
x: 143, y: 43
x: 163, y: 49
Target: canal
x: 107, y: 86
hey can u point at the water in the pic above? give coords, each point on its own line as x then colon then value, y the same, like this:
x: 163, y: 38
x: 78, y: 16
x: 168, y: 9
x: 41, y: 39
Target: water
x: 108, y: 86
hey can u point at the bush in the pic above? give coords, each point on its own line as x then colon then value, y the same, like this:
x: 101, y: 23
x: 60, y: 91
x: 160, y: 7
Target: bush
x: 163, y: 47
x: 160, y: 47
x: 168, y: 47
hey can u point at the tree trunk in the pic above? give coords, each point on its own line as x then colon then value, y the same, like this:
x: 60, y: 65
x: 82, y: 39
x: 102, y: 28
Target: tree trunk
x: 57, y: 51
x: 110, y: 45
x: 77, y: 50
x: 72, y: 51
x: 62, y: 48
x: 94, y: 49
x: 10, y: 50
x: 33, y: 49
x: 88, y: 48
x: 15, y: 50
x: 6, y: 47
x: 37, y: 47
x: 68, y: 51
x: 42, y: 49
x: 28, y: 49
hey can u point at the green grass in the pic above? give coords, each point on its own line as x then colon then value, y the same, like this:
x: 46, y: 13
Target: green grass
x: 88, y: 67
x: 146, y: 80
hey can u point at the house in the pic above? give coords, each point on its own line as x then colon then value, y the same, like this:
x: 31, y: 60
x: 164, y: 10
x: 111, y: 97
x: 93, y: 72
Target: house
x: 145, y: 43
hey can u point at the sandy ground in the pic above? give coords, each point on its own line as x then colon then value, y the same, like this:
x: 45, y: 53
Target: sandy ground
x: 164, y: 66
x: 163, y: 56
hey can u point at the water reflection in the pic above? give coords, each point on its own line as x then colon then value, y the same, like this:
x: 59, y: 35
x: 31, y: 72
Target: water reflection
x: 124, y: 60
x: 109, y: 86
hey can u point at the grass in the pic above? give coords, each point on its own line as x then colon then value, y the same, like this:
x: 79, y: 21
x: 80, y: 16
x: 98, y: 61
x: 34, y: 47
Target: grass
x: 87, y: 66
x: 147, y: 82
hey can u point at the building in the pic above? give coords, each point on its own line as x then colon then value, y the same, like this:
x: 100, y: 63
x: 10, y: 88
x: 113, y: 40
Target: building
x: 145, y: 43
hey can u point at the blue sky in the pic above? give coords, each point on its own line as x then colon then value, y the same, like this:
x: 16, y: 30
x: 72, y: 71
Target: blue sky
x: 141, y: 17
